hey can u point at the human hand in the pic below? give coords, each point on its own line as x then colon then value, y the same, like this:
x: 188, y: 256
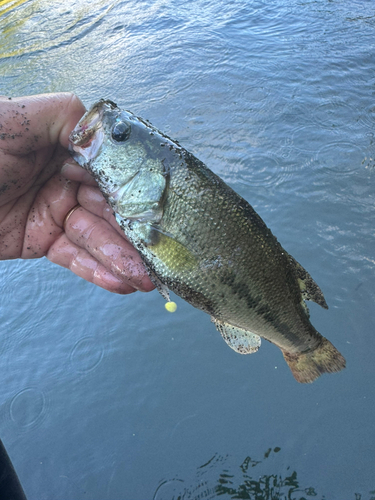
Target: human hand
x: 36, y: 196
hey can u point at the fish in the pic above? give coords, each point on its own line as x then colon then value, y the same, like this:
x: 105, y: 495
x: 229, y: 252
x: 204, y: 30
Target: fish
x: 199, y: 239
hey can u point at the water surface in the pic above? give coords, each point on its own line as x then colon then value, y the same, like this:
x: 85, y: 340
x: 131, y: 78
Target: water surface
x: 109, y: 397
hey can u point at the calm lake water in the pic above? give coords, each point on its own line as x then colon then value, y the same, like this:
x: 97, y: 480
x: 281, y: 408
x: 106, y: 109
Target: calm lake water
x: 106, y: 397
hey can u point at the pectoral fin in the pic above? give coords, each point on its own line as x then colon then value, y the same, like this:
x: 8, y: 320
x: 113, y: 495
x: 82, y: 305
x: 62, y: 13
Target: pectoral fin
x: 171, y: 252
x: 309, y: 289
x: 239, y: 340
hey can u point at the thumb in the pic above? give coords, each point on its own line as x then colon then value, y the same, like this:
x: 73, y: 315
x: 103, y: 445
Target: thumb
x: 31, y: 123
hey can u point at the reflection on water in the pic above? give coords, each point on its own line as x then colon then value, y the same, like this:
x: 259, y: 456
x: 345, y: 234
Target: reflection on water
x: 219, y: 477
x: 29, y: 31
x: 7, y: 5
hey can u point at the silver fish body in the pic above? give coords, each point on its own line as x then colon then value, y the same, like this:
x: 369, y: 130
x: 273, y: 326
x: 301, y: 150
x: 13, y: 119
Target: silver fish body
x: 200, y: 239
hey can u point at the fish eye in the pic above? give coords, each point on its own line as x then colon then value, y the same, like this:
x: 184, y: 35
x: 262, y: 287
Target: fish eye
x: 121, y: 132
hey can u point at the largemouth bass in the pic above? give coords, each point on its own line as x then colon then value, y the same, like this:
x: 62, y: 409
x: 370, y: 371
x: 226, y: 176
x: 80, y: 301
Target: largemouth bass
x: 200, y: 239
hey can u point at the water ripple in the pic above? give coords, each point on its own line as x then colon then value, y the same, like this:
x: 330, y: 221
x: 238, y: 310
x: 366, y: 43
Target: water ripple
x: 335, y: 113
x: 368, y: 117
x: 342, y: 157
x: 223, y: 476
x: 259, y: 170
x: 34, y: 311
x: 309, y: 138
x: 28, y: 408
x: 168, y: 489
x: 86, y: 354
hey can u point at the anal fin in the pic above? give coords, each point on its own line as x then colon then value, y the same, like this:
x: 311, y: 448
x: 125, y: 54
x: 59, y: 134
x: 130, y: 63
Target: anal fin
x: 241, y: 341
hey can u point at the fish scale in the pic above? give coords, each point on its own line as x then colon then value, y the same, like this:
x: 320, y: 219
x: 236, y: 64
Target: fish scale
x: 200, y: 239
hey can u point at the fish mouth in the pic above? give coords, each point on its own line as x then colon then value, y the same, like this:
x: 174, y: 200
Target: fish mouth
x: 88, y: 135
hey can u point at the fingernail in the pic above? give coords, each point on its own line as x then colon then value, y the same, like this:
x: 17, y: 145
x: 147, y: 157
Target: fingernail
x: 69, y: 163
x: 68, y: 167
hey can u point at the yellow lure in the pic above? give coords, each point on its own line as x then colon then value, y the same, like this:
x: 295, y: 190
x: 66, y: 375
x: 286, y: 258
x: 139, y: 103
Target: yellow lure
x: 171, y: 306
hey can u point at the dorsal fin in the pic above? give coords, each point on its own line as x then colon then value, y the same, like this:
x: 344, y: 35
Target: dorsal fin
x: 309, y: 289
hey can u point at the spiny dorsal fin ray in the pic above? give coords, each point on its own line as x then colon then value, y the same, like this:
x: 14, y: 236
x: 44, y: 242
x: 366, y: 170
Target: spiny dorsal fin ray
x: 241, y: 341
x: 309, y: 289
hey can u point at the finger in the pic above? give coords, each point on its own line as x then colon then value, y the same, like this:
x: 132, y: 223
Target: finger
x: 71, y: 170
x: 36, y: 122
x: 66, y: 254
x: 92, y: 200
x: 44, y: 219
x: 106, y: 246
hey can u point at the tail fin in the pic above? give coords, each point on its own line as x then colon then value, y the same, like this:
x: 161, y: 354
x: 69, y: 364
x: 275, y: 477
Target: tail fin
x: 307, y: 366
